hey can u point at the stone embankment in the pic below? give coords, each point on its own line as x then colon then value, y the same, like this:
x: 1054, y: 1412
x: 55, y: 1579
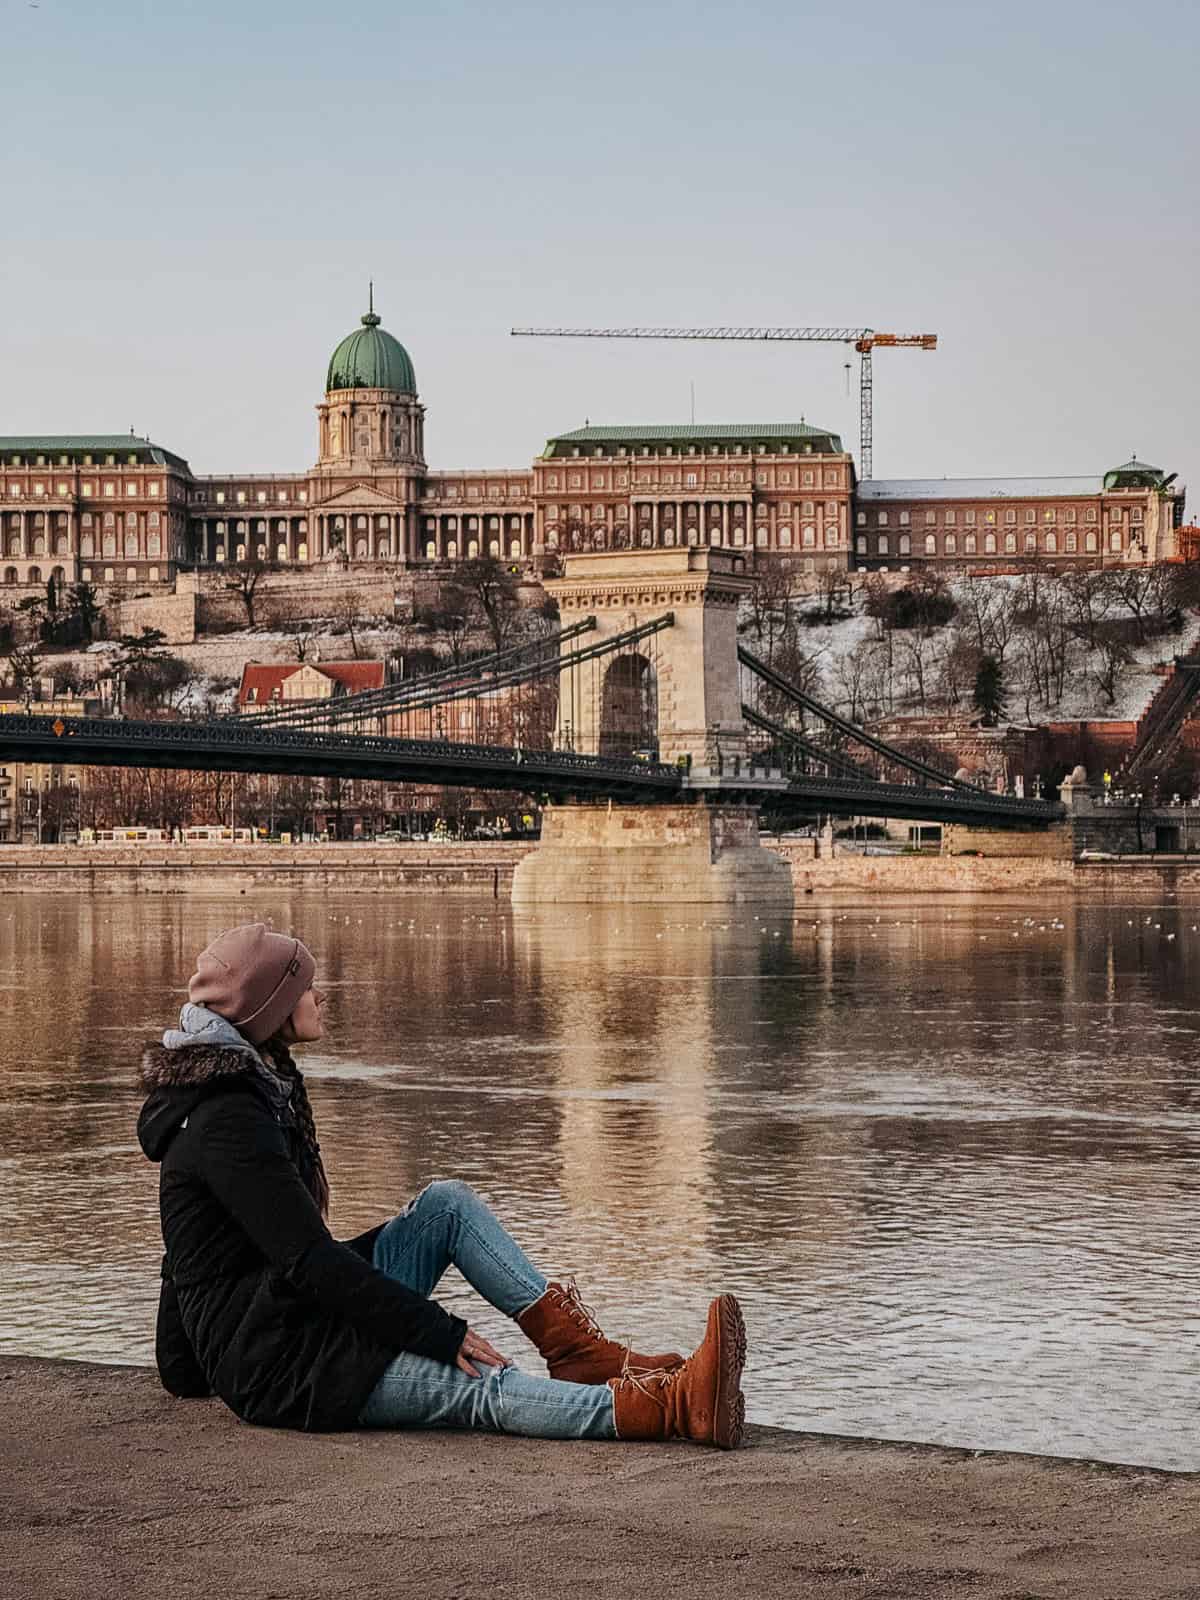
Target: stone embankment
x: 487, y: 869
x: 109, y: 1487
x: 230, y: 869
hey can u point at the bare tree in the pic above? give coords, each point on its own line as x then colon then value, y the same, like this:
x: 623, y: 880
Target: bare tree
x: 351, y: 610
x: 1108, y: 656
x: 494, y: 590
x: 300, y: 631
x: 25, y: 664
x: 916, y: 653
x: 243, y: 579
x: 1139, y: 590
x: 957, y: 665
x: 848, y: 674
x: 769, y: 602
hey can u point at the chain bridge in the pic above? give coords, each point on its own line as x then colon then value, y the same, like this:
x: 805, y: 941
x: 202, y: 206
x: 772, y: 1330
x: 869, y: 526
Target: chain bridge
x: 645, y: 694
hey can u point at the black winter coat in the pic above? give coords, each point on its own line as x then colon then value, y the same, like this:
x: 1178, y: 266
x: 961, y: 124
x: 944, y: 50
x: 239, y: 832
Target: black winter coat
x: 259, y: 1304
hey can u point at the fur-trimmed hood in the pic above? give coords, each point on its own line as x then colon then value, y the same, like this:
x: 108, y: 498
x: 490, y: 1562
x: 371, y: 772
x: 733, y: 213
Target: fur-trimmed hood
x: 192, y: 1066
x: 175, y: 1081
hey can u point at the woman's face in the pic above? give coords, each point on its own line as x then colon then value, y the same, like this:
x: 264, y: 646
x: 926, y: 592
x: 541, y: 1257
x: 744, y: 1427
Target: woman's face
x: 305, y: 1022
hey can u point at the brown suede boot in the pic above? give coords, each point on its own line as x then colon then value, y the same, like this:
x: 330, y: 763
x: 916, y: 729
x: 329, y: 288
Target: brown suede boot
x: 572, y: 1345
x: 702, y: 1400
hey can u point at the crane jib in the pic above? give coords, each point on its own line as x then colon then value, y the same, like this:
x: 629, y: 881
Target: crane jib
x: 864, y: 340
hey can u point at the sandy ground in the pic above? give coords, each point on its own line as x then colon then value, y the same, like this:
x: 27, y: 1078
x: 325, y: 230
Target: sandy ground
x: 110, y: 1488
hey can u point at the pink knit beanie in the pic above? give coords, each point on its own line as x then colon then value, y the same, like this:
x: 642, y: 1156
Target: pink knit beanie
x: 253, y: 978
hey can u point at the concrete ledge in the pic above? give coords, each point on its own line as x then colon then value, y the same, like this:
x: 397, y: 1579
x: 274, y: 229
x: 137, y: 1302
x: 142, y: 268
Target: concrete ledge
x: 109, y: 1487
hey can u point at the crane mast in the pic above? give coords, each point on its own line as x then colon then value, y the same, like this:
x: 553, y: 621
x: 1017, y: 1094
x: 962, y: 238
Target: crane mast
x: 864, y: 340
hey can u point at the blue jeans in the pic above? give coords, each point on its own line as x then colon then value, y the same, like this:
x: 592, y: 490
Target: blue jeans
x: 448, y: 1224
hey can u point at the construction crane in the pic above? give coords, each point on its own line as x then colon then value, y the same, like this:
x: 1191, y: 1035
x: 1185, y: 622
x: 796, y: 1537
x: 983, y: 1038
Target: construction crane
x: 864, y: 340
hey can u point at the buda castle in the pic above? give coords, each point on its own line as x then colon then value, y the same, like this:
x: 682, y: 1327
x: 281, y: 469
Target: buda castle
x: 120, y: 509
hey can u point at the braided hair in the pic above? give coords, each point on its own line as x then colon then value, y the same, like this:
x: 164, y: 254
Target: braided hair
x: 312, y: 1167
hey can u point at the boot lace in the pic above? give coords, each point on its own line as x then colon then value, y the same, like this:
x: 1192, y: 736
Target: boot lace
x: 654, y: 1382
x: 579, y: 1312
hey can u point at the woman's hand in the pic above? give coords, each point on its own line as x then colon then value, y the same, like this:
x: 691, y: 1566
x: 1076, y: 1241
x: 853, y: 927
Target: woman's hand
x: 475, y: 1348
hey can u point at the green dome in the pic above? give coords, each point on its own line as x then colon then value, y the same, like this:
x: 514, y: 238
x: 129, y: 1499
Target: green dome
x: 369, y: 358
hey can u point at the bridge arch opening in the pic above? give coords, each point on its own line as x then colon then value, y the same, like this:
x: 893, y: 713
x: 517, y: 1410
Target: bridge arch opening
x: 629, y: 706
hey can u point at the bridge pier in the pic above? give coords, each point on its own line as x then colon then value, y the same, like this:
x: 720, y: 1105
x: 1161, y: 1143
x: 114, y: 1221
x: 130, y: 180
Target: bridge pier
x: 659, y: 854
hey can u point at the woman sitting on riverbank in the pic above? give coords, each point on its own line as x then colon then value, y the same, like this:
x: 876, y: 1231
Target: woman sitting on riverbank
x: 260, y: 1305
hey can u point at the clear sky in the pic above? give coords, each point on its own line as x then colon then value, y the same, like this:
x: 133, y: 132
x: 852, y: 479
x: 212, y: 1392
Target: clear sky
x: 195, y: 195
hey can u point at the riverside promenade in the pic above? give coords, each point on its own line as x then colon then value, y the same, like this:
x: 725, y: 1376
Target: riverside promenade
x: 110, y: 1487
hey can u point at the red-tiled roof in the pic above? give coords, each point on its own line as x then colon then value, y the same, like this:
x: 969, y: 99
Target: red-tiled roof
x: 267, y: 679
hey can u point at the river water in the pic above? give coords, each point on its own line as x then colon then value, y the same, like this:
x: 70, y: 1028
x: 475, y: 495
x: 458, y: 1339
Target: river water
x: 946, y: 1151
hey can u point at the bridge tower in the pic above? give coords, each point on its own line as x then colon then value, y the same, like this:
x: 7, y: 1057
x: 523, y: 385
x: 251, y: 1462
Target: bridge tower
x: 686, y: 687
x: 690, y: 676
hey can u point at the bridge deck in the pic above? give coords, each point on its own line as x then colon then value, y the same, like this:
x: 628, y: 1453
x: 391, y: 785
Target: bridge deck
x: 226, y: 747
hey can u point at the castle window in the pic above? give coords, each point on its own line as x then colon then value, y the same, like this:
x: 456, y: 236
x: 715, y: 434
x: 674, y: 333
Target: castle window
x: 905, y: 546
x: 881, y: 545
x: 931, y: 544
x: 882, y: 519
x: 860, y: 546
x: 949, y: 518
x: 989, y: 544
x: 110, y: 490
x: 861, y: 519
x: 152, y: 491
x: 1010, y: 514
x: 1030, y: 514
x: 931, y: 519
x: 1031, y: 544
x: 261, y: 497
x: 904, y: 519
x: 1090, y: 543
x: 1072, y: 541
x: 1051, y: 544
x: 1010, y: 543
x: 951, y: 545
x: 969, y: 545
